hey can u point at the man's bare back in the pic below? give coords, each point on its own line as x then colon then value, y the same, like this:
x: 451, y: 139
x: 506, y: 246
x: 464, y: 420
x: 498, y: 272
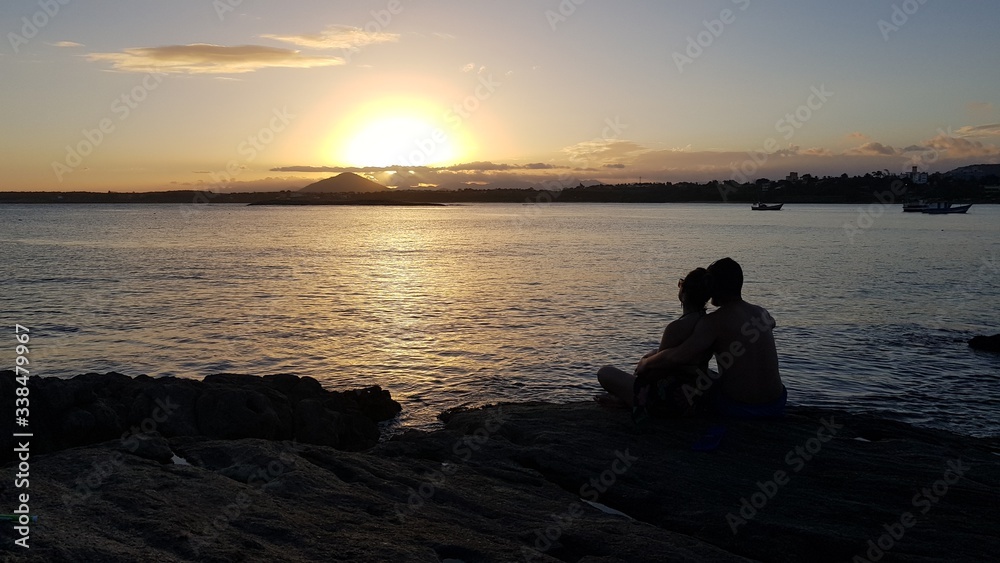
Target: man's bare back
x: 745, y: 351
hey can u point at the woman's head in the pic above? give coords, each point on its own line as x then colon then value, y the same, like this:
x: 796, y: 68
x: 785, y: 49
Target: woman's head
x: 695, y: 289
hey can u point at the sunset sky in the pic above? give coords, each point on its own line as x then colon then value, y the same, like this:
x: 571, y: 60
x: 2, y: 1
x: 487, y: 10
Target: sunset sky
x: 245, y: 95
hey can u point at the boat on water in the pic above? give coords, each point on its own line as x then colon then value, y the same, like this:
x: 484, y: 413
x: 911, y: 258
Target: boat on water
x: 915, y: 206
x: 944, y: 207
x: 766, y: 206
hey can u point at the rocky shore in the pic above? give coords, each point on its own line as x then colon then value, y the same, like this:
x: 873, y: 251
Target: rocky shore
x: 96, y: 407
x: 276, y: 468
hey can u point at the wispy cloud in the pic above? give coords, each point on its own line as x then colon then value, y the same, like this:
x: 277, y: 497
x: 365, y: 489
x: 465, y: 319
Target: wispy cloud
x: 337, y: 37
x: 66, y: 44
x: 872, y: 149
x: 603, y: 150
x: 961, y: 148
x: 485, y: 166
x: 200, y: 58
x: 992, y: 130
x: 618, y: 161
x: 481, y: 166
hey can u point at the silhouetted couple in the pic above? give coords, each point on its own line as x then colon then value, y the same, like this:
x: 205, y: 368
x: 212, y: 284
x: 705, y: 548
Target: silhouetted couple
x: 674, y: 380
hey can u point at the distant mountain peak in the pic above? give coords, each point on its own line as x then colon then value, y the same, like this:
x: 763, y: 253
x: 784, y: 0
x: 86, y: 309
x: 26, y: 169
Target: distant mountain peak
x: 343, y: 183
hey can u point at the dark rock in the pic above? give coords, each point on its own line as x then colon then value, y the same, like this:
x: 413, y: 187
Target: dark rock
x: 284, y: 382
x: 64, y: 395
x: 168, y: 407
x: 107, y: 423
x: 77, y: 425
x: 372, y: 402
x: 986, y: 343
x: 313, y: 423
x: 308, y: 387
x: 92, y: 408
x: 150, y: 446
x: 88, y: 423
x: 512, y: 483
x: 319, y: 422
x: 247, y: 461
x: 376, y: 403
x: 356, y: 432
x: 238, y: 413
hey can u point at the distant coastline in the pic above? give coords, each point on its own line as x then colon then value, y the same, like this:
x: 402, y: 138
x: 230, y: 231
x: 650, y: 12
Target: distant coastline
x: 843, y: 190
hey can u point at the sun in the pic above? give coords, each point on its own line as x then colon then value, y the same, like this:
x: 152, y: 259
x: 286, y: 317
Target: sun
x: 401, y: 140
x: 397, y: 132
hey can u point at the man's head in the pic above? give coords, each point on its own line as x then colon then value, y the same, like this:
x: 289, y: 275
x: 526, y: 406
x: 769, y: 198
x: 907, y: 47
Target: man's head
x: 727, y: 280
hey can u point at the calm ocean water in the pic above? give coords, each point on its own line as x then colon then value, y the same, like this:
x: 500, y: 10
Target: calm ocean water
x: 445, y: 306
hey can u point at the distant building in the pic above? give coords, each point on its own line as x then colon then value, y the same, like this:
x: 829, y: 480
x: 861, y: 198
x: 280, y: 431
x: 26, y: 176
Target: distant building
x: 918, y: 177
x: 992, y: 189
x: 793, y: 177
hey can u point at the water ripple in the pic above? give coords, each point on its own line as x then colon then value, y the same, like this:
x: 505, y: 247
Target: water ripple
x: 468, y: 305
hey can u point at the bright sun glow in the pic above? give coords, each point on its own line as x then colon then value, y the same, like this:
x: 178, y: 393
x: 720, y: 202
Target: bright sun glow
x: 396, y: 132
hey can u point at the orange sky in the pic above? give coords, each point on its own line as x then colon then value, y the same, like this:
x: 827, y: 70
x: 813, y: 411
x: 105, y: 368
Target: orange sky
x: 194, y: 94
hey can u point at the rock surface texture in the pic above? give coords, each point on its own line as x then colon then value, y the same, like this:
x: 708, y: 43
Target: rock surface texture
x: 94, y: 407
x: 515, y: 482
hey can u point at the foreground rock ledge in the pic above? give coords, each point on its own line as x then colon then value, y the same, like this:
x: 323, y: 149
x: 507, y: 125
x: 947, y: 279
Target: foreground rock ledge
x: 97, y: 407
x: 510, y: 483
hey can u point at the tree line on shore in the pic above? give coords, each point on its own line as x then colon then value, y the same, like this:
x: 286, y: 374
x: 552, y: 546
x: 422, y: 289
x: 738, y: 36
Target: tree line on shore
x: 807, y: 189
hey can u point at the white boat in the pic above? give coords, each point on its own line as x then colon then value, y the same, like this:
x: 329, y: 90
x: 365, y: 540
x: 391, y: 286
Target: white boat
x: 766, y: 207
x: 944, y: 207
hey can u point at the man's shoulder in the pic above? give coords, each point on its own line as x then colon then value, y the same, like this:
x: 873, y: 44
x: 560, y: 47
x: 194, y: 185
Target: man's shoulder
x: 755, y: 310
x: 714, y: 319
x: 763, y: 316
x: 738, y: 312
x: 761, y: 311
